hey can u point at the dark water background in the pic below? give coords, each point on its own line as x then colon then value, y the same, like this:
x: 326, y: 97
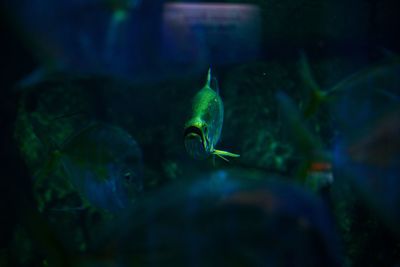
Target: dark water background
x: 339, y: 37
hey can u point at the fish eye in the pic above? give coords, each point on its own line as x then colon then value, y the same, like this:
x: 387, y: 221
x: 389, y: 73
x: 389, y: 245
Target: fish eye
x: 128, y: 176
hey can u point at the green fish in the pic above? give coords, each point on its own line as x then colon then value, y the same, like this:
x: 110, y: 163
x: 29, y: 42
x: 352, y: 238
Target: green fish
x: 203, y: 128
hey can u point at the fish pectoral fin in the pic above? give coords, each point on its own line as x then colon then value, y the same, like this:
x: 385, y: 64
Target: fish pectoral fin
x: 222, y: 157
x: 224, y: 154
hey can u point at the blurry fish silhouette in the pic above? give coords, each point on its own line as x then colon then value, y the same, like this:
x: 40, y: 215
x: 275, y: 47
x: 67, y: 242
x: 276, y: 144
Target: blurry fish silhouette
x: 90, y: 36
x: 366, y: 150
x: 229, y: 217
x: 103, y: 162
x: 316, y: 167
x: 203, y: 129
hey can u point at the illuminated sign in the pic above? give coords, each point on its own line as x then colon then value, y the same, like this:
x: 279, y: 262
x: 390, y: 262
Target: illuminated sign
x: 210, y: 32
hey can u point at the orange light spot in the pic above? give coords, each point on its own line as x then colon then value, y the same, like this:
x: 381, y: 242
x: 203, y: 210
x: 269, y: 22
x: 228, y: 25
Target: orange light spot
x: 320, y: 166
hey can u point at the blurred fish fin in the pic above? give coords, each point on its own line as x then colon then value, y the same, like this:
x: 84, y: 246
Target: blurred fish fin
x: 222, y: 157
x: 214, y: 85
x: 212, y: 81
x: 208, y: 81
x: 317, y: 98
x: 317, y: 95
x: 224, y: 154
x: 305, y: 72
x: 118, y: 17
x: 306, y: 142
x: 31, y: 79
x: 47, y: 65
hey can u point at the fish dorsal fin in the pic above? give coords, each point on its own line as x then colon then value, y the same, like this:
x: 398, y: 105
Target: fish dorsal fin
x: 214, y: 85
x: 212, y: 82
x: 208, y: 81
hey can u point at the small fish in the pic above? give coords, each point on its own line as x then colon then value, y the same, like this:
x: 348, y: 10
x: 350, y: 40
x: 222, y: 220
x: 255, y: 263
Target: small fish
x: 104, y: 163
x: 203, y: 129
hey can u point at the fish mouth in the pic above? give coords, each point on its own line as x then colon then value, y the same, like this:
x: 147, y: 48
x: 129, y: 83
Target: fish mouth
x: 194, y: 143
x: 193, y: 131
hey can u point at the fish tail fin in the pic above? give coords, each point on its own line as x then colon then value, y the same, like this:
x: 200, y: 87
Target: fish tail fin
x: 303, y: 139
x: 308, y: 144
x: 317, y: 95
x: 223, y: 154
